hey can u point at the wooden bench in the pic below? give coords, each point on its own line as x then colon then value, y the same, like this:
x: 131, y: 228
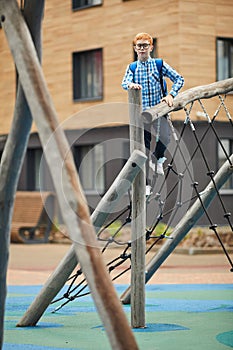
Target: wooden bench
x: 32, y: 217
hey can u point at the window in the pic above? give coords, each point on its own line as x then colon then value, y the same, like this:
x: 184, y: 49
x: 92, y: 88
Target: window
x: 33, y: 169
x: 87, y: 75
x: 224, y: 58
x: 126, y: 151
x: 154, y: 52
x: 79, y: 4
x: 89, y: 161
x: 228, y: 147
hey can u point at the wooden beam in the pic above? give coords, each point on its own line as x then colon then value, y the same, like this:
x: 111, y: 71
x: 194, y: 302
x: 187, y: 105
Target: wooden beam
x: 13, y: 154
x: 66, y: 182
x: 61, y: 274
x: 188, y: 96
x: 138, y: 225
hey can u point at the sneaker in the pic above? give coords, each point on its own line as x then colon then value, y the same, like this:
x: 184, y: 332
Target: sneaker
x: 160, y: 169
x: 160, y: 162
x: 148, y: 190
x: 152, y: 165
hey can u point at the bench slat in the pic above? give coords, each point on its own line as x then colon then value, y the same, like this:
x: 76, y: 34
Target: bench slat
x: 32, y: 216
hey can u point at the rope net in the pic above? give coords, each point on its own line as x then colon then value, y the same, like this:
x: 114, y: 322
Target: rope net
x: 182, y: 176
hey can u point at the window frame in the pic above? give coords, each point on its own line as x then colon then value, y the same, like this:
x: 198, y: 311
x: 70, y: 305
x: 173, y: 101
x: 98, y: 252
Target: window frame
x: 77, y: 77
x: 229, y: 62
x: 78, y: 157
x: 34, y: 158
x: 83, y: 7
x: 220, y: 161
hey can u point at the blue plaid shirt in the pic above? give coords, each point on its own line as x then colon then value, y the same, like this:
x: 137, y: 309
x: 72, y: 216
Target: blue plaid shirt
x: 146, y: 74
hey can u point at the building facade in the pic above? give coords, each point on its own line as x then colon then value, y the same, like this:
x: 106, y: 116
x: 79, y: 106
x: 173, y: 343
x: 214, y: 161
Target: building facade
x: 87, y: 45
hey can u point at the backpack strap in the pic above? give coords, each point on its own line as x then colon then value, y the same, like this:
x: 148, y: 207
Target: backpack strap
x: 133, y: 67
x: 159, y: 65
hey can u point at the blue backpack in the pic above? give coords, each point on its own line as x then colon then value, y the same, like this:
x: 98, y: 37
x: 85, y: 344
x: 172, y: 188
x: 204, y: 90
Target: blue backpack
x: 159, y: 65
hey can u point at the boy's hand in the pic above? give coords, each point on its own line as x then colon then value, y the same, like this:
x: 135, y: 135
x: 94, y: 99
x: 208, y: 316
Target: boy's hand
x: 169, y: 100
x: 135, y: 86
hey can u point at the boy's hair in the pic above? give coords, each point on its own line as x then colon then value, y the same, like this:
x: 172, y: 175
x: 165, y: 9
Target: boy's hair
x: 143, y: 36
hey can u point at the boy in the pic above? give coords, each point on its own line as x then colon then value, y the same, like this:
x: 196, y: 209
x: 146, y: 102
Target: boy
x: 146, y: 78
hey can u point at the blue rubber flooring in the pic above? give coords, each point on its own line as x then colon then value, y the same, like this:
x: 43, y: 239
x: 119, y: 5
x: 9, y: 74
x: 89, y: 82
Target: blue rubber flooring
x: 190, y: 316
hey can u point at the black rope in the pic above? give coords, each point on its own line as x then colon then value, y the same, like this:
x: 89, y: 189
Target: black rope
x: 210, y: 172
x: 201, y: 140
x: 214, y: 131
x: 213, y: 226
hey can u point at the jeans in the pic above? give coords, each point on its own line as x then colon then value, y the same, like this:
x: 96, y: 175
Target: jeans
x: 159, y: 128
x: 161, y: 131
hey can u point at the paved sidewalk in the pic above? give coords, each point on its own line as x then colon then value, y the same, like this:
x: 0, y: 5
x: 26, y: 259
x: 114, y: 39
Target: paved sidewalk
x: 189, y: 304
x: 32, y: 264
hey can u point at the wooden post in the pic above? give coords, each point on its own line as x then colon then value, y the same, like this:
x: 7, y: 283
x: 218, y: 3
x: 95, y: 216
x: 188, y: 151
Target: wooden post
x: 138, y: 225
x: 60, y: 275
x: 185, y: 225
x: 13, y: 154
x: 66, y: 182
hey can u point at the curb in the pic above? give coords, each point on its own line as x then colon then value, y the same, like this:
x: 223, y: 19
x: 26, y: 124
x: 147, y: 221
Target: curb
x: 199, y: 251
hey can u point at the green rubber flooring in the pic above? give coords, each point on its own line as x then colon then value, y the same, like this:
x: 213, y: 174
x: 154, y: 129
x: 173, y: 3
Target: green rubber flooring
x: 188, y: 316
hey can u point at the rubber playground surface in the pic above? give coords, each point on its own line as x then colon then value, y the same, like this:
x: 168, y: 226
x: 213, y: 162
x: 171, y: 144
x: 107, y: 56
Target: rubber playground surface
x: 189, y: 305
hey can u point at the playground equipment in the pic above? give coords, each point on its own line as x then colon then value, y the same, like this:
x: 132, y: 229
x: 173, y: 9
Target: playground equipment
x: 73, y: 205
x: 203, y: 199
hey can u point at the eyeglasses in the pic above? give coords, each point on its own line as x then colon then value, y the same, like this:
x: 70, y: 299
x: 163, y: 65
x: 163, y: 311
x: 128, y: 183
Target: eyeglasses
x: 142, y: 46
